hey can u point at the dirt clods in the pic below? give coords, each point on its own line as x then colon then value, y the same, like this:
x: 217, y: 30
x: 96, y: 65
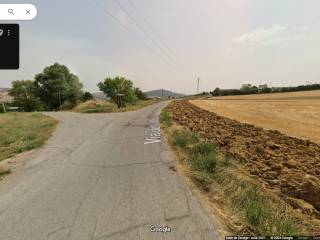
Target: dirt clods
x: 287, y: 165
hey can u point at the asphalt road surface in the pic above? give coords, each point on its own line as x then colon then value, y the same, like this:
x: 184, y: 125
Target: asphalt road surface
x: 101, y: 176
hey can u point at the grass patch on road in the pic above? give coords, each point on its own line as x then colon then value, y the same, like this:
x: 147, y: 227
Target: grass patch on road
x: 166, y: 118
x: 253, y: 209
x: 108, y: 107
x: 23, y: 131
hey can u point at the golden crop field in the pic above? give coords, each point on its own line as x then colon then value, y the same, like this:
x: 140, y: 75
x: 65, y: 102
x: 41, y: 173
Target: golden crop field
x: 295, y: 114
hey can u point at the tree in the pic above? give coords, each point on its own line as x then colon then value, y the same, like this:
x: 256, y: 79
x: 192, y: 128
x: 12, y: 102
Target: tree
x: 86, y: 97
x: 216, y: 92
x: 23, y: 92
x: 140, y: 94
x: 57, y: 84
x: 112, y: 87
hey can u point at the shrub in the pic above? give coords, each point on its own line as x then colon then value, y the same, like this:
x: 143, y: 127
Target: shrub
x: 67, y: 105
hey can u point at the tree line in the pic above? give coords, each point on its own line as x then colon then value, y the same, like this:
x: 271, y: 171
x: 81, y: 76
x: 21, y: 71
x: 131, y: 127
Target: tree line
x: 256, y: 90
x: 57, y: 88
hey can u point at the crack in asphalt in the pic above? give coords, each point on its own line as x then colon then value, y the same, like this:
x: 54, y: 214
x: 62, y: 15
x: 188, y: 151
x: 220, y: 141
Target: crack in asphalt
x: 113, y: 166
x: 124, y: 231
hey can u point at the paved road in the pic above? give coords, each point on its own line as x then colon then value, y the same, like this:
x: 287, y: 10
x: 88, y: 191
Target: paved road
x: 96, y: 179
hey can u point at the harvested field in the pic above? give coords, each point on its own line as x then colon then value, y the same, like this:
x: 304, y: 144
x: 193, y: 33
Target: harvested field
x: 289, y: 166
x: 296, y: 114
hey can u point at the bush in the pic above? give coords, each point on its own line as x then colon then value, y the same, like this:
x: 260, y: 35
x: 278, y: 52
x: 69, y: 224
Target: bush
x: 67, y: 105
x: 204, y: 162
x: 87, y: 96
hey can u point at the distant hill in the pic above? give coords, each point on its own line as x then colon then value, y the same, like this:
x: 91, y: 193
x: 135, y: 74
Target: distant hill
x: 163, y: 93
x: 4, y: 95
x: 99, y: 96
x: 4, y: 89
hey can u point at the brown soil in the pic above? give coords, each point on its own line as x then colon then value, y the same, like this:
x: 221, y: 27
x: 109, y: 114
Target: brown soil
x: 287, y: 165
x: 295, y: 114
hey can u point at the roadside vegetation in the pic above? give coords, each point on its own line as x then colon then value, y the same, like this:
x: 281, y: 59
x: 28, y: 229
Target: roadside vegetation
x: 23, y: 131
x: 248, y: 208
x: 248, y: 89
x: 108, y: 107
x: 56, y: 88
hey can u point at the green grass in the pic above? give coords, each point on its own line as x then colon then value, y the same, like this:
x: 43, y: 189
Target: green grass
x: 23, y: 131
x: 264, y: 214
x: 203, y: 148
x: 204, y: 162
x: 166, y: 117
x: 108, y: 107
x: 203, y: 157
x: 184, y: 138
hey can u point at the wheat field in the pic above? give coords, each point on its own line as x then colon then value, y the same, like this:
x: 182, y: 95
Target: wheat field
x: 296, y: 114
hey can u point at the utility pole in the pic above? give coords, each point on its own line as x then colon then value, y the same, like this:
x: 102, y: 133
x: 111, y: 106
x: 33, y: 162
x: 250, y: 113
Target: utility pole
x: 198, y: 83
x: 162, y: 93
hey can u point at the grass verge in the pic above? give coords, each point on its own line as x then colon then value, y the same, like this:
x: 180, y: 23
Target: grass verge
x: 108, y: 107
x: 254, y: 210
x: 23, y: 131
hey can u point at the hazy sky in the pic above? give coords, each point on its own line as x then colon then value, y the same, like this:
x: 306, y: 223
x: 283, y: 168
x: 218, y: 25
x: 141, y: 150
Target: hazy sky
x: 224, y: 42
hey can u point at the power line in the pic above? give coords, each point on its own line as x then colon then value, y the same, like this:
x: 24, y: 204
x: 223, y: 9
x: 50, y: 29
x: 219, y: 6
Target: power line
x: 109, y: 14
x: 150, y: 26
x: 123, y: 25
x: 143, y: 30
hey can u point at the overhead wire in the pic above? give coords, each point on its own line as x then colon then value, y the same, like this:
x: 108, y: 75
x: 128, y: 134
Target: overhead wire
x: 143, y: 30
x: 151, y: 27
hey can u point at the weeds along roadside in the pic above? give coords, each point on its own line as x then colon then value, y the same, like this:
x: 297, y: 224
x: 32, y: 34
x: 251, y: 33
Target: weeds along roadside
x: 253, y: 209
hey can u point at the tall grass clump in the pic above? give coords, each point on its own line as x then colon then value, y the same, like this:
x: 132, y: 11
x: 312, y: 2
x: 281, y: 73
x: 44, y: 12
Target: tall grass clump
x: 203, y: 148
x: 204, y: 157
x: 261, y: 212
x: 183, y: 138
x: 204, y: 162
x: 166, y: 118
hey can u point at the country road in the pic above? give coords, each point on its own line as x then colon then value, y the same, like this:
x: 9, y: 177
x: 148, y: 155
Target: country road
x: 101, y: 176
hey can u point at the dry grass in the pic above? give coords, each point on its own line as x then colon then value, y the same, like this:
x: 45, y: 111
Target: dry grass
x: 295, y: 114
x: 107, y: 107
x: 23, y: 131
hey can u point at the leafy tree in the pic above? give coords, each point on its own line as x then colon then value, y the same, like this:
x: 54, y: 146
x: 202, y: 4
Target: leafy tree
x: 112, y: 87
x: 216, y: 92
x: 57, y: 84
x: 23, y: 92
x: 140, y: 94
x: 86, y: 96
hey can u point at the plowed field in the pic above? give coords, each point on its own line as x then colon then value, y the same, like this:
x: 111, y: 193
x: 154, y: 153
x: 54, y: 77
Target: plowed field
x: 296, y: 114
x: 289, y: 166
